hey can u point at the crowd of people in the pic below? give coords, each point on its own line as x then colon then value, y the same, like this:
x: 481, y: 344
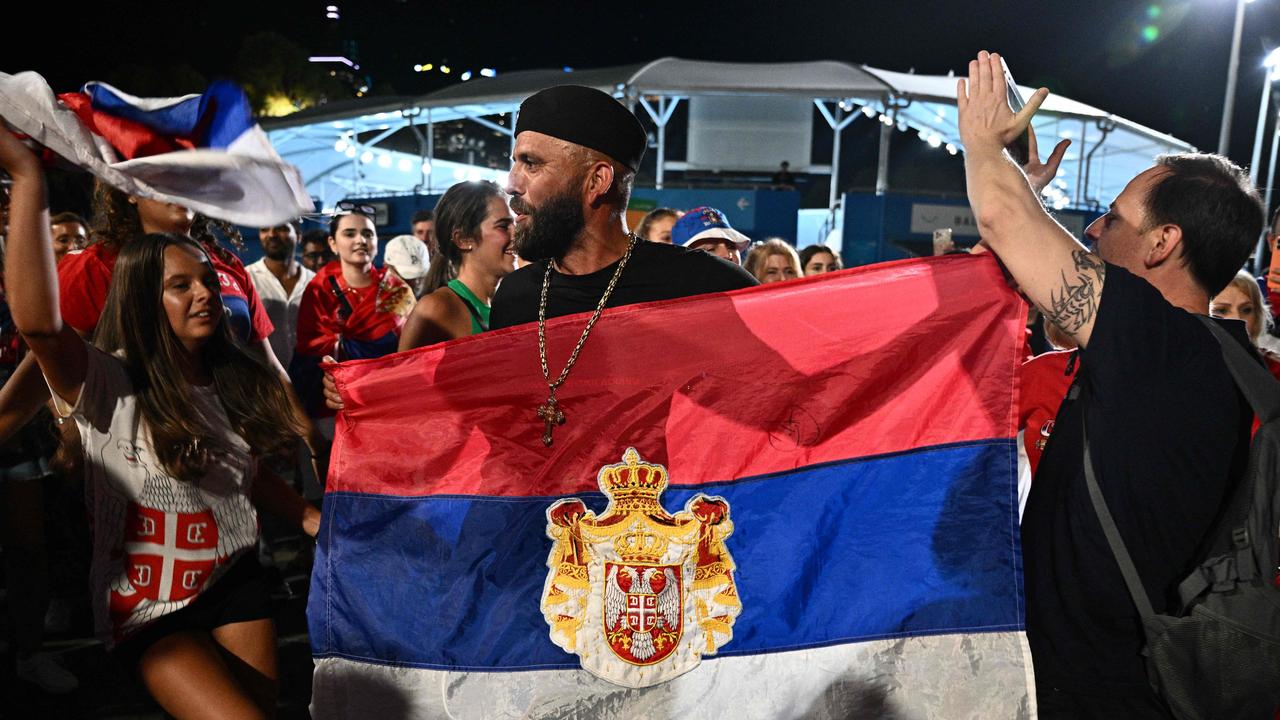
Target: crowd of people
x: 187, y: 390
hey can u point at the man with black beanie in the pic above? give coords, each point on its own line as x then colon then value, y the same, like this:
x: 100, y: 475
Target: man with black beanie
x: 576, y: 154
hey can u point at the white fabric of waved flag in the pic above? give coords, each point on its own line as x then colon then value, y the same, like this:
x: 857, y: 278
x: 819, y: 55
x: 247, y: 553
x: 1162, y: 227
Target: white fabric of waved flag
x: 246, y: 183
x: 980, y: 675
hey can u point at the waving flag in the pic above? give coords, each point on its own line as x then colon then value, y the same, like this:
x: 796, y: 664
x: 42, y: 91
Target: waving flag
x: 201, y: 151
x: 796, y: 500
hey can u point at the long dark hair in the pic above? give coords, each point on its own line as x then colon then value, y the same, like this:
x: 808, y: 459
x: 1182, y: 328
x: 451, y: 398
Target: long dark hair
x: 810, y: 250
x: 462, y: 210
x: 135, y: 326
x: 653, y: 216
x: 116, y: 221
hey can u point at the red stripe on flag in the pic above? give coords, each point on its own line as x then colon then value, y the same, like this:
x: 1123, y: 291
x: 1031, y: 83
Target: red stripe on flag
x: 868, y: 361
x: 130, y: 139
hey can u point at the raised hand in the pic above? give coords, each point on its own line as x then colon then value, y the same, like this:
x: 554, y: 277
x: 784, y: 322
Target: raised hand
x: 986, y: 122
x: 15, y: 157
x: 1040, y: 174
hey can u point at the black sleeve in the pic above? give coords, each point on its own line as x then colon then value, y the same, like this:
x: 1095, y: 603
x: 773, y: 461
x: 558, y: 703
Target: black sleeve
x: 1139, y: 340
x: 708, y: 273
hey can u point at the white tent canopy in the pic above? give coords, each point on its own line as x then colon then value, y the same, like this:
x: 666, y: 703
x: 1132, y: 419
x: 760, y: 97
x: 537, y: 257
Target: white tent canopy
x: 1106, y: 150
x: 326, y: 141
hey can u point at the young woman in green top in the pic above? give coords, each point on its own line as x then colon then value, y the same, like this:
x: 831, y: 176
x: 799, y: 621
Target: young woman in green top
x: 473, y: 223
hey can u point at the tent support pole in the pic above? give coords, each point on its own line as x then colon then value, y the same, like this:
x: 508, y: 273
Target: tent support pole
x: 1266, y: 203
x: 660, y: 117
x: 1084, y: 146
x: 838, y: 122
x: 882, y: 158
x: 1271, y: 170
x: 660, y: 164
x: 431, y: 151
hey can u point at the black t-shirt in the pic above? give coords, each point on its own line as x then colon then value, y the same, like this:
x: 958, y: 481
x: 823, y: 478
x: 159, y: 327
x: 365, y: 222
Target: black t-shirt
x: 656, y: 271
x: 1169, y: 433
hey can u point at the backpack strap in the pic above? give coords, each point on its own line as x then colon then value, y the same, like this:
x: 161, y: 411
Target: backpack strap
x: 1259, y: 387
x: 1127, y: 569
x: 344, y: 305
x: 1227, y: 564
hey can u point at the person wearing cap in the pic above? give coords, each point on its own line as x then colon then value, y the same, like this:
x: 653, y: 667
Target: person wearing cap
x: 474, y: 226
x: 576, y: 155
x: 409, y: 258
x: 280, y: 280
x: 706, y: 228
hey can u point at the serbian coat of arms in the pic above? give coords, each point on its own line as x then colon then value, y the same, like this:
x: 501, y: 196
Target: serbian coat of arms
x: 638, y: 594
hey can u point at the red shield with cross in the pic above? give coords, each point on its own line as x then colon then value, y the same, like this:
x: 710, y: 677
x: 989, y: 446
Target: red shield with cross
x: 168, y: 557
x: 644, y: 611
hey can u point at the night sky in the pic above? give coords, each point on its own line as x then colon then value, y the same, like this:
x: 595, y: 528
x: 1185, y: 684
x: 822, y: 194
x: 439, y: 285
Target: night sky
x: 1162, y: 64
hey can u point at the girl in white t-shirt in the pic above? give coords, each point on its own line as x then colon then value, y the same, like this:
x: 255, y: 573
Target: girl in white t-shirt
x: 173, y: 414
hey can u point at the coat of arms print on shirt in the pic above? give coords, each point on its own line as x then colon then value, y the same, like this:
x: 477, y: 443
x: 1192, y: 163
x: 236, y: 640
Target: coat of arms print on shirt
x: 638, y: 594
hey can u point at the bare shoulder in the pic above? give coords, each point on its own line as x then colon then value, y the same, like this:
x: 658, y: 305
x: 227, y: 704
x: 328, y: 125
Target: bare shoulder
x: 439, y: 305
x: 435, y: 318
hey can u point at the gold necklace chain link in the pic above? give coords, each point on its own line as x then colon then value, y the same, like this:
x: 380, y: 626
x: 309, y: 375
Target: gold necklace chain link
x: 542, y: 320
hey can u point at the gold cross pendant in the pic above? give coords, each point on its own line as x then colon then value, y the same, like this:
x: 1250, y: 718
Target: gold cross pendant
x: 550, y: 414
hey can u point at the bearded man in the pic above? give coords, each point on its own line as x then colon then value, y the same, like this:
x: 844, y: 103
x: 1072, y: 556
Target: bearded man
x: 575, y: 158
x: 280, y: 280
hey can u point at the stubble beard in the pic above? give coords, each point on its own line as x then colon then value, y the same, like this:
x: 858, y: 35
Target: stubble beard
x: 277, y: 251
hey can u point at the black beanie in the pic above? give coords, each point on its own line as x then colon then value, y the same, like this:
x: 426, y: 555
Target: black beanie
x: 587, y: 117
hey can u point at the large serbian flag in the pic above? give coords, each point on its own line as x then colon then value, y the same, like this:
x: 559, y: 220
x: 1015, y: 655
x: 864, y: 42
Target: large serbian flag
x: 796, y: 500
x: 201, y: 151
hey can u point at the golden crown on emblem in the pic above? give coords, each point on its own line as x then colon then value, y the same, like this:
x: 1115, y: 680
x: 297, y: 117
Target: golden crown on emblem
x: 638, y: 545
x: 633, y: 478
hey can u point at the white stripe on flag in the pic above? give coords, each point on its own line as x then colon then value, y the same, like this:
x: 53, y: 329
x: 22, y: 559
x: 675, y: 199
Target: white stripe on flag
x: 985, y: 675
x: 247, y: 184
x: 148, y: 104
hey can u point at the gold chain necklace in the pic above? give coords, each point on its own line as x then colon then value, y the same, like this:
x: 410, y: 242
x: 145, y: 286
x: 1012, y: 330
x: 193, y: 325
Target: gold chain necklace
x: 549, y: 412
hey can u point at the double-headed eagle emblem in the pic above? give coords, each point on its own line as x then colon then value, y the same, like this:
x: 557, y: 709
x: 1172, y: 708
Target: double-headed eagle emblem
x: 638, y: 594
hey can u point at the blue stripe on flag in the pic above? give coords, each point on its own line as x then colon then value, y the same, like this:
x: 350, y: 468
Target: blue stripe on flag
x: 221, y: 114
x: 916, y: 543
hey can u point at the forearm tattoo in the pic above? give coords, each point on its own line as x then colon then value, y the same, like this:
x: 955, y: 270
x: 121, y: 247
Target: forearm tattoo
x: 1073, y: 305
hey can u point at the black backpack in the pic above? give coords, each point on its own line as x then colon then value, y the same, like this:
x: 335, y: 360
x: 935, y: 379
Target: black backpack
x: 1219, y: 655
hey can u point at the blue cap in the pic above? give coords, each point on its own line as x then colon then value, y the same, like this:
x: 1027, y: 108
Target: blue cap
x: 705, y: 222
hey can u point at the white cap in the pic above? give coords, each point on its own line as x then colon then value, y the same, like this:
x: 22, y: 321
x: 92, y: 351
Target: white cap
x: 408, y: 255
x: 739, y: 240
